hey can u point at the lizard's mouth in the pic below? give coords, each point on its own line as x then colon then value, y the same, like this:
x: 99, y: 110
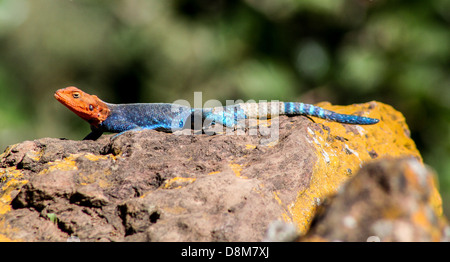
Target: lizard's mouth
x: 62, y: 98
x: 58, y: 96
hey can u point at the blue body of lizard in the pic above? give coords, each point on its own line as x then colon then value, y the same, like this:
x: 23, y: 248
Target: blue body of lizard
x: 171, y: 117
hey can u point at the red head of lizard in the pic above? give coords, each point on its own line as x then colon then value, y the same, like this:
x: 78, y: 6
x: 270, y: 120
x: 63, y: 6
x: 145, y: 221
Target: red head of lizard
x: 89, y: 107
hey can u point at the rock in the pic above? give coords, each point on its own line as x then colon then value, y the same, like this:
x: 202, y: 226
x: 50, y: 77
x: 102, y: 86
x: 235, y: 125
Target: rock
x: 388, y: 200
x: 155, y: 186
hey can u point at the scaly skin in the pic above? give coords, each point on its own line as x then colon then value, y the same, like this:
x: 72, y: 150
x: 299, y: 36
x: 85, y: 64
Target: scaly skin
x: 117, y: 118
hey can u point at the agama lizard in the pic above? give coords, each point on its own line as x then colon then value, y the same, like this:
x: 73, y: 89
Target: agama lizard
x: 117, y: 118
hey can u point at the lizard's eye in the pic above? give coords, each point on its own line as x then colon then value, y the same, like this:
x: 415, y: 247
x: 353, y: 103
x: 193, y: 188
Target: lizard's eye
x: 76, y: 95
x: 91, y: 107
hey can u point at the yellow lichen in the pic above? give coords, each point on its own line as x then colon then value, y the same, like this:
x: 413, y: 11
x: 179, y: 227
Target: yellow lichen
x: 12, y: 179
x: 420, y: 218
x: 277, y: 198
x: 4, y: 238
x: 250, y: 147
x: 35, y: 155
x: 98, y: 177
x: 65, y: 164
x: 69, y: 163
x: 214, y: 172
x: 5, y: 201
x: 177, y: 182
x: 285, y: 216
x: 237, y: 170
x: 339, y: 159
x: 5, y: 231
x: 93, y: 157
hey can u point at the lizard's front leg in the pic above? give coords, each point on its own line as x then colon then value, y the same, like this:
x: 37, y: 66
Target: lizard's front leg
x: 94, y: 134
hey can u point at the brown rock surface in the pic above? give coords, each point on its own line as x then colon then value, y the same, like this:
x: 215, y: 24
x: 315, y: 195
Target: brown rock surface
x: 154, y: 186
x: 151, y: 186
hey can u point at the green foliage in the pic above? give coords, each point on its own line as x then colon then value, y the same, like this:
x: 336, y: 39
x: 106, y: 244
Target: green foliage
x: 343, y: 51
x: 52, y: 217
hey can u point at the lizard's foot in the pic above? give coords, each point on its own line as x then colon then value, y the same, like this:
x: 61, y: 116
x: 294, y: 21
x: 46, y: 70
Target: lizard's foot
x: 240, y: 127
x: 213, y: 129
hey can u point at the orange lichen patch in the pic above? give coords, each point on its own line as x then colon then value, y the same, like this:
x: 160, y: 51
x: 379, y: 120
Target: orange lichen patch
x: 11, y: 179
x: 178, y: 182
x: 35, y: 155
x: 69, y: 163
x: 99, y: 177
x: 7, y: 230
x: 285, y: 215
x: 65, y: 164
x: 250, y: 147
x: 286, y: 218
x: 342, y: 149
x: 265, y: 122
x: 93, y: 157
x: 392, y: 212
x: 237, y: 170
x: 277, y: 198
x: 4, y: 238
x: 421, y: 219
x: 5, y: 201
x: 214, y: 172
x: 5, y: 198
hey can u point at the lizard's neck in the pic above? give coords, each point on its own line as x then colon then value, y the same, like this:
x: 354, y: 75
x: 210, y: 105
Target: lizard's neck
x: 100, y: 113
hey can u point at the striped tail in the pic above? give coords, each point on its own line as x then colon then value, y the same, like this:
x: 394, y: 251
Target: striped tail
x: 294, y: 108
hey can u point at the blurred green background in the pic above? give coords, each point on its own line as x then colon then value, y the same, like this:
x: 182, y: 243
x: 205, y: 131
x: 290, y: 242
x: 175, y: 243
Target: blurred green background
x: 342, y: 51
